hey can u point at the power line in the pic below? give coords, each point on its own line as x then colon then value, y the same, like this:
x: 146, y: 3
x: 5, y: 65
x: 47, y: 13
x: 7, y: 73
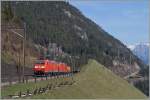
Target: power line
x: 9, y: 27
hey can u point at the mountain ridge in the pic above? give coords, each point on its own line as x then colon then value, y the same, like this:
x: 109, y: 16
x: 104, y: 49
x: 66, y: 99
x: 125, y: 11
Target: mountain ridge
x: 141, y: 50
x: 63, y: 24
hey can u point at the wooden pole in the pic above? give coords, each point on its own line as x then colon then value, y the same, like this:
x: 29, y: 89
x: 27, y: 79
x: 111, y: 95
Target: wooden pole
x: 24, y: 43
x: 35, y: 79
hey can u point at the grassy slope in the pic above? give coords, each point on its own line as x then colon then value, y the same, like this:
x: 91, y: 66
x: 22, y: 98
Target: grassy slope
x: 95, y: 81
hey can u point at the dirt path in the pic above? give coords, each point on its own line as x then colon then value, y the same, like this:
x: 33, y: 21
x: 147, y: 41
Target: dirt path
x: 133, y: 74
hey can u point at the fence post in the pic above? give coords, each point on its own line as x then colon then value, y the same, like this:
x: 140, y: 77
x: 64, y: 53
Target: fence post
x: 50, y: 86
x: 26, y: 79
x: 35, y: 79
x: 46, y: 77
x: 44, y: 89
x: 20, y: 94
x: 39, y: 91
x: 10, y: 81
x: 35, y: 91
x: 27, y: 92
x: 19, y: 79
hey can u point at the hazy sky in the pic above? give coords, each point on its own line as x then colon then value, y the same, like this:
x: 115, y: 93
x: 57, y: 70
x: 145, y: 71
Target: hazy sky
x: 127, y: 20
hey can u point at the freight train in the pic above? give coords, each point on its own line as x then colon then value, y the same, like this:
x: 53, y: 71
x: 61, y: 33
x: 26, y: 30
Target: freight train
x: 50, y: 67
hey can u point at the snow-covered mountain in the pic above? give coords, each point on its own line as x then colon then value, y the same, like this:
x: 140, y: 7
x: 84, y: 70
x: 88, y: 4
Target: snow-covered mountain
x: 141, y: 50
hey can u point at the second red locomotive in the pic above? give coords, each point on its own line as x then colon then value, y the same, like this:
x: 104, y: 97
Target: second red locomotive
x: 50, y: 67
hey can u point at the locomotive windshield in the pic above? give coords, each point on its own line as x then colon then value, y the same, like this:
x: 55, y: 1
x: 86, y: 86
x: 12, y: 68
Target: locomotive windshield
x: 40, y: 62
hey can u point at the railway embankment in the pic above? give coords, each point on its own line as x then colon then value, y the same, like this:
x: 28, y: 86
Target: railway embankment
x: 94, y: 81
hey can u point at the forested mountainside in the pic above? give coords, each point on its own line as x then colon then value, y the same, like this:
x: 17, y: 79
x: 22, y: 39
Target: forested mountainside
x: 56, y: 23
x: 63, y: 24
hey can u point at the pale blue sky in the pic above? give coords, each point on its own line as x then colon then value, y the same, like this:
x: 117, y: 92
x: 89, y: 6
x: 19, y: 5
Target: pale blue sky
x: 127, y: 20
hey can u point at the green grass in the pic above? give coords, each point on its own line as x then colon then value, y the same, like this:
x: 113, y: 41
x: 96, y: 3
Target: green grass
x: 94, y: 81
x: 16, y: 88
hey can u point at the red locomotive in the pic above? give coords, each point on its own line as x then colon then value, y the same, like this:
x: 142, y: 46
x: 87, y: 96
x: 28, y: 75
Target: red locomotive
x: 45, y: 67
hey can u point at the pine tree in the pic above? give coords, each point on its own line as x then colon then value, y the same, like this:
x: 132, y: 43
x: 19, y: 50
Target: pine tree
x: 7, y: 13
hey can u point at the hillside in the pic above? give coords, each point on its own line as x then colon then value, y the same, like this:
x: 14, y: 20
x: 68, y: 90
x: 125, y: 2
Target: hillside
x: 141, y: 50
x: 61, y: 23
x: 96, y: 81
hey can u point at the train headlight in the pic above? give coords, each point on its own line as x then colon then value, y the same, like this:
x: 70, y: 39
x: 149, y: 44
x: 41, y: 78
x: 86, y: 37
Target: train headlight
x: 42, y: 66
x: 36, y: 66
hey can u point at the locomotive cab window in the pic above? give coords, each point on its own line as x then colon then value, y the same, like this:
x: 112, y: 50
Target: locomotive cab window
x: 40, y: 62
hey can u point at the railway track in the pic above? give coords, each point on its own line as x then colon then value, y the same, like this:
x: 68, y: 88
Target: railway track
x: 35, y: 78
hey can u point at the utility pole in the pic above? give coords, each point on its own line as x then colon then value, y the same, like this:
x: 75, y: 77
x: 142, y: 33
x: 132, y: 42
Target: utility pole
x: 24, y: 40
x: 130, y: 59
x: 118, y: 53
x: 130, y: 63
x: 24, y: 43
x: 71, y: 67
